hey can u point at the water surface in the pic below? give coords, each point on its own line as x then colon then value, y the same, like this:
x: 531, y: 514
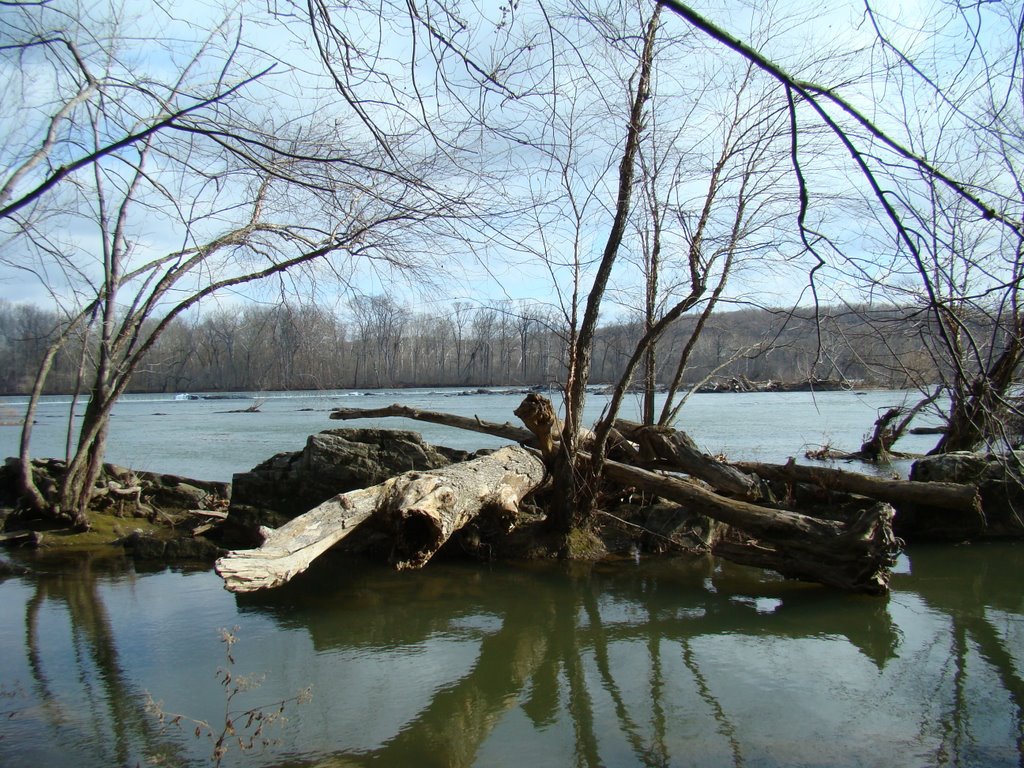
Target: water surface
x: 662, y: 662
x: 677, y: 661
x: 204, y: 439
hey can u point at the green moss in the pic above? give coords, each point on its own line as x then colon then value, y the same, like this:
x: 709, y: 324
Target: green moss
x: 584, y: 544
x: 106, y: 530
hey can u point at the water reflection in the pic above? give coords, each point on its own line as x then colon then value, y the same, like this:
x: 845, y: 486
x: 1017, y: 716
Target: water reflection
x: 85, y: 697
x: 662, y: 663
x: 982, y: 588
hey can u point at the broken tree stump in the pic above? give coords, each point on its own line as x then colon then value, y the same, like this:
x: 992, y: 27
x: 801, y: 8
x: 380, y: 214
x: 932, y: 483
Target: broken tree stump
x: 539, y: 416
x: 677, y: 450
x: 423, y: 509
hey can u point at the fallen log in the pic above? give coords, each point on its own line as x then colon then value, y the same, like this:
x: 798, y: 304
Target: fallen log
x: 422, y: 508
x: 677, y: 450
x: 856, y: 556
x: 506, y: 430
x: 955, y: 496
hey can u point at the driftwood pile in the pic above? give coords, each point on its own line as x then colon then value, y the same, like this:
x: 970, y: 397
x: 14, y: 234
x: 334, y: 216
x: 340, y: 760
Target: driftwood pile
x: 766, y: 520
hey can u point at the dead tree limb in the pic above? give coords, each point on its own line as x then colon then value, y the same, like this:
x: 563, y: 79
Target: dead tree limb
x: 288, y: 551
x: 955, y: 496
x: 423, y: 509
x: 675, y: 449
x: 506, y: 430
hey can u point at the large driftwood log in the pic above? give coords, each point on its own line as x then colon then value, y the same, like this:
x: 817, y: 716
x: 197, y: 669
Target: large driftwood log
x: 423, y: 508
x: 955, y: 496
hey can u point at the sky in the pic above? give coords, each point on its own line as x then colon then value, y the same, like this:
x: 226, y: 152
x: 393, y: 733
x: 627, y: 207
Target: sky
x: 567, y: 172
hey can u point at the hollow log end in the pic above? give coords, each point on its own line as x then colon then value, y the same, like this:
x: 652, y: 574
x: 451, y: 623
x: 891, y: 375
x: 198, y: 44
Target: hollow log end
x: 418, y: 535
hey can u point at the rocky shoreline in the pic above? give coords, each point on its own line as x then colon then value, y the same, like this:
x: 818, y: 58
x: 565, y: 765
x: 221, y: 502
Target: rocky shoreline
x: 167, y: 518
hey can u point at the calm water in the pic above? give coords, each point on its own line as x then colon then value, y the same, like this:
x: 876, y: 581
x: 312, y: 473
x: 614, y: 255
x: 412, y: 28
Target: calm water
x: 666, y: 662
x: 662, y: 662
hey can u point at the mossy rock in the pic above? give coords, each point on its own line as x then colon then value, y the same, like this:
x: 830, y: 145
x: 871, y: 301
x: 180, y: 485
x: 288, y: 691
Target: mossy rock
x: 584, y: 544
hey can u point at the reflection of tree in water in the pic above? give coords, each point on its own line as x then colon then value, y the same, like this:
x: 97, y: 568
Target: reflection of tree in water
x: 107, y: 712
x: 547, y: 646
x: 538, y: 659
x: 725, y: 726
x: 967, y: 596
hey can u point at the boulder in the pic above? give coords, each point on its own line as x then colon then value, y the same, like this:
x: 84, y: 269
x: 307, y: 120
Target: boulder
x: 148, y: 547
x: 1000, y: 483
x: 333, y: 461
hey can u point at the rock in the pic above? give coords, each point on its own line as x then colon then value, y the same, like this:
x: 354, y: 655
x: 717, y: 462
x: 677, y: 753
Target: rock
x: 999, y: 482
x: 147, y: 547
x: 334, y: 461
x: 172, y: 491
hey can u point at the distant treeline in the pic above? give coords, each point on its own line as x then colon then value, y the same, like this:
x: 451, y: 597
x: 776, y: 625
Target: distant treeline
x: 377, y: 342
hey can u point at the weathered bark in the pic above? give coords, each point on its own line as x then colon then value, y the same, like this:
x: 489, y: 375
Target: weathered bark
x: 427, y: 508
x: 539, y: 416
x: 423, y: 508
x: 675, y: 449
x: 288, y: 551
x: 954, y: 496
x: 854, y: 556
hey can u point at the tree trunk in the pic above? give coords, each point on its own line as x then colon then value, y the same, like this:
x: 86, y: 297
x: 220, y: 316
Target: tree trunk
x: 423, y: 509
x: 975, y: 409
x: 26, y: 481
x: 85, y: 466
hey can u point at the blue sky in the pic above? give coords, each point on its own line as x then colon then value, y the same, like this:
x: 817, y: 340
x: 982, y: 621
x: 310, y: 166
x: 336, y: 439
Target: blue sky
x: 502, y: 263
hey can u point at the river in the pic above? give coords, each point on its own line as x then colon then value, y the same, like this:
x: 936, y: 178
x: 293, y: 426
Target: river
x: 675, y: 661
x: 209, y: 439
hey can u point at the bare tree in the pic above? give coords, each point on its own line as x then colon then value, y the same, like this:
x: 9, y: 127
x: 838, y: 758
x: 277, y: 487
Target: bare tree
x: 248, y: 196
x: 937, y: 153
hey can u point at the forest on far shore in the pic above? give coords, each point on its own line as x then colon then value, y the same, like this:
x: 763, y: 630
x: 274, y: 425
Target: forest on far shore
x: 376, y: 342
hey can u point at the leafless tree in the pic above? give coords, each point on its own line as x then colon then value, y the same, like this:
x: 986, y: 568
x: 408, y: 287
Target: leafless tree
x: 248, y: 195
x: 936, y: 148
